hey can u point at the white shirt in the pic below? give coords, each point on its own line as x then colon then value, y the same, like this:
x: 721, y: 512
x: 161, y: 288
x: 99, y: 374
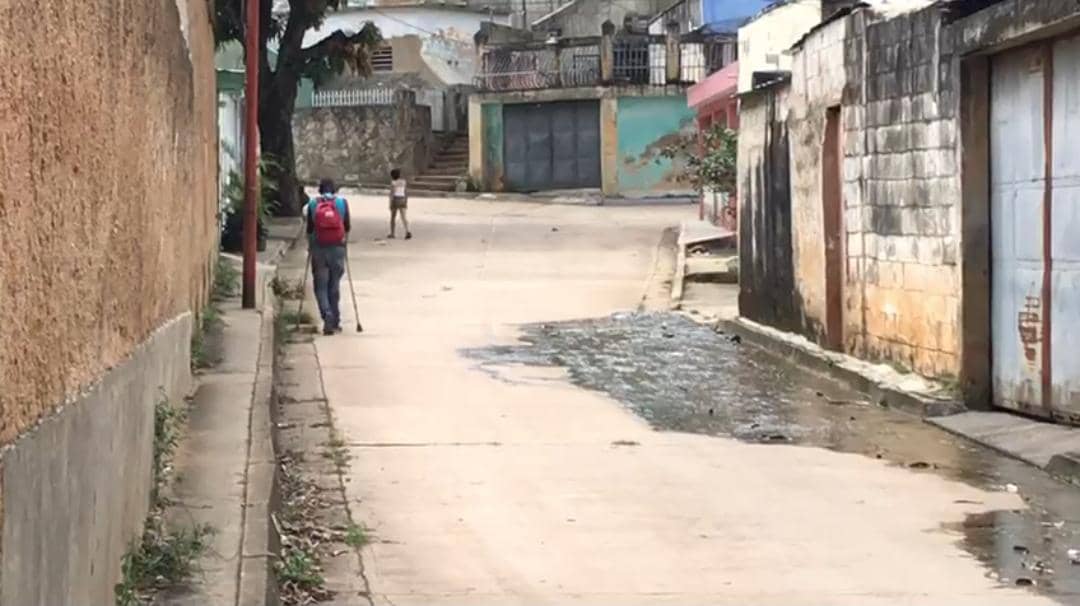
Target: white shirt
x: 398, y: 187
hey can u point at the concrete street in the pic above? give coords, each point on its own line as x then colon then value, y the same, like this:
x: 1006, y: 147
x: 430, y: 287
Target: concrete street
x: 490, y: 483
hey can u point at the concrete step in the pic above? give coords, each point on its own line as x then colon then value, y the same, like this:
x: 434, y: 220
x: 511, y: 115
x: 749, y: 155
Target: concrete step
x: 446, y: 170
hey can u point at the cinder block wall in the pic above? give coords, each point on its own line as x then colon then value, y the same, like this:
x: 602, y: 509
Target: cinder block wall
x: 902, y: 190
x: 108, y: 157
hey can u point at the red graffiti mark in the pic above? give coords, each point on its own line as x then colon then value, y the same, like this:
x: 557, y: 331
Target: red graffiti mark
x: 1029, y: 323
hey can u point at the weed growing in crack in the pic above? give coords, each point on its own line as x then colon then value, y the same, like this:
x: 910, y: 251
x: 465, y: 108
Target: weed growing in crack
x: 164, y: 556
x: 226, y: 279
x: 286, y: 289
x: 209, y: 321
x: 168, y: 427
x: 299, y: 568
x: 293, y: 318
x: 356, y: 536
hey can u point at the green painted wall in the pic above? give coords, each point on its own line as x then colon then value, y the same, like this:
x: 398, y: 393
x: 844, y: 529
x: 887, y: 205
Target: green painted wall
x: 645, y: 126
x: 492, y: 117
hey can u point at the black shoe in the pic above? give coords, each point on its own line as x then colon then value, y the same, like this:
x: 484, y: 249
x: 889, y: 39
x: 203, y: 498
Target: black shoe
x: 408, y: 235
x: 390, y: 237
x: 328, y: 330
x: 338, y: 329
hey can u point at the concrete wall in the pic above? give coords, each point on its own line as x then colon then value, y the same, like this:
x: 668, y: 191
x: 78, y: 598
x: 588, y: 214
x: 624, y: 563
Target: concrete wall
x: 764, y: 42
x: 360, y: 145
x: 646, y: 126
x: 442, y: 46
x: 634, y: 127
x: 817, y: 83
x: 767, y: 291
x: 584, y: 17
x: 77, y: 490
x: 108, y: 195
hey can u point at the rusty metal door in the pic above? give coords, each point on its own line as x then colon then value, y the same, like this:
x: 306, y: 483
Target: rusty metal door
x: 1018, y: 184
x: 833, y: 207
x: 1064, y: 232
x: 549, y: 146
x: 1035, y: 229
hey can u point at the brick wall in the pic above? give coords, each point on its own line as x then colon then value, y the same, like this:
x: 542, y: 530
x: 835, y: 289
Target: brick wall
x: 902, y: 193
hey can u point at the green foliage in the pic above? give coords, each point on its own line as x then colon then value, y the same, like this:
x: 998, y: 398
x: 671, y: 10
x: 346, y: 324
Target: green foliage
x: 269, y: 170
x: 325, y: 59
x: 226, y: 279
x: 168, y: 425
x: 356, y: 536
x: 164, y: 558
x: 293, y: 318
x: 710, y: 160
x: 299, y: 568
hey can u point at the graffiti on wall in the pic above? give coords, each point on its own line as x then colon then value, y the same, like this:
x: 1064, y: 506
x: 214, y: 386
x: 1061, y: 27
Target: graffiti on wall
x: 646, y: 126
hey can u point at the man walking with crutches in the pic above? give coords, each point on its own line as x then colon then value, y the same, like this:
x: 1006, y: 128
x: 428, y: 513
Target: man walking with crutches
x: 328, y: 227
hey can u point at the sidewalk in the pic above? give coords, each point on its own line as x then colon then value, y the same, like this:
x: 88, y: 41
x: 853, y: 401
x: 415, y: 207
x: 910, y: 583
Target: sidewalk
x: 225, y: 462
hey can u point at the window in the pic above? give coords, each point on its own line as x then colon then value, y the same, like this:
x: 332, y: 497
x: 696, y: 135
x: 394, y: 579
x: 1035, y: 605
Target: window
x: 382, y: 60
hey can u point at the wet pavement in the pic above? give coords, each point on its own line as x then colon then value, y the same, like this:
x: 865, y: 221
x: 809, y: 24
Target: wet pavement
x: 683, y: 376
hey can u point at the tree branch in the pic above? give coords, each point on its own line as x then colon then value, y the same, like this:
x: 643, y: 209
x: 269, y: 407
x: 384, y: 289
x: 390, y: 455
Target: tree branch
x: 332, y: 44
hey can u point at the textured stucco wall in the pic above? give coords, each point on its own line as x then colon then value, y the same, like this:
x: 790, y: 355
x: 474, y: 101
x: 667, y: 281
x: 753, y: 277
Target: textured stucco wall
x: 362, y: 144
x: 108, y: 197
x: 108, y: 187
x: 646, y: 126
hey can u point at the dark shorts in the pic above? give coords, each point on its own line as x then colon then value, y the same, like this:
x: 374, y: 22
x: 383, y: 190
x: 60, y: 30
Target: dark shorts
x: 399, y: 203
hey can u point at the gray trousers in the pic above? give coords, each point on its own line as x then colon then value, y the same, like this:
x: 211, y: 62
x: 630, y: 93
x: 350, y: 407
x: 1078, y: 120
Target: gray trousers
x: 327, y: 267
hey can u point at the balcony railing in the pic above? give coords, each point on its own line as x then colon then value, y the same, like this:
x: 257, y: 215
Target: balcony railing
x: 635, y: 60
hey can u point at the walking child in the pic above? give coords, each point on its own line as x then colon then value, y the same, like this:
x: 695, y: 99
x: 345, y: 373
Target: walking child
x: 399, y: 203
x: 328, y: 226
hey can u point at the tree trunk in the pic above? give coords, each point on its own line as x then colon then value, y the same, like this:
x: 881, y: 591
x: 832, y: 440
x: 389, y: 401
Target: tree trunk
x: 277, y: 100
x: 275, y: 127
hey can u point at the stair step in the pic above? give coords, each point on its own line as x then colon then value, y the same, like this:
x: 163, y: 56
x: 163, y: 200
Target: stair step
x: 444, y: 172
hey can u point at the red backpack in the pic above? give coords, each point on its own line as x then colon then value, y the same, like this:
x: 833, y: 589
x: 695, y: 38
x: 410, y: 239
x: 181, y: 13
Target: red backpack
x: 329, y: 224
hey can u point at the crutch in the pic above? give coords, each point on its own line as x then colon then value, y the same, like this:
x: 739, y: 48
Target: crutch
x: 303, y: 288
x: 352, y: 291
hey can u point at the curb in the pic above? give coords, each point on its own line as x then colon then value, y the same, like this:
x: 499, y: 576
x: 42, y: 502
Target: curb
x: 678, y: 282
x: 259, y: 542
x: 1065, y: 466
x: 884, y: 395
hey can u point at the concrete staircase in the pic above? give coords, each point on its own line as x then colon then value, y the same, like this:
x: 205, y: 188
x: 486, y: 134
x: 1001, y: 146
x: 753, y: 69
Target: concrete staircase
x: 449, y: 166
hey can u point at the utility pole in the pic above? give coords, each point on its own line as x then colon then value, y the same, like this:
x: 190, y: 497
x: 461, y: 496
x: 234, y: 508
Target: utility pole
x: 524, y: 14
x: 251, y: 152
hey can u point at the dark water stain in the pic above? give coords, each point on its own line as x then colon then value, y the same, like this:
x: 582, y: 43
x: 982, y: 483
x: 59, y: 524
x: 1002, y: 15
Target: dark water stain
x: 683, y: 376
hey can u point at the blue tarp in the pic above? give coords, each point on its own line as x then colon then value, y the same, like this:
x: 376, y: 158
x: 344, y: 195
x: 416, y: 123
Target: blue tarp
x: 725, y: 16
